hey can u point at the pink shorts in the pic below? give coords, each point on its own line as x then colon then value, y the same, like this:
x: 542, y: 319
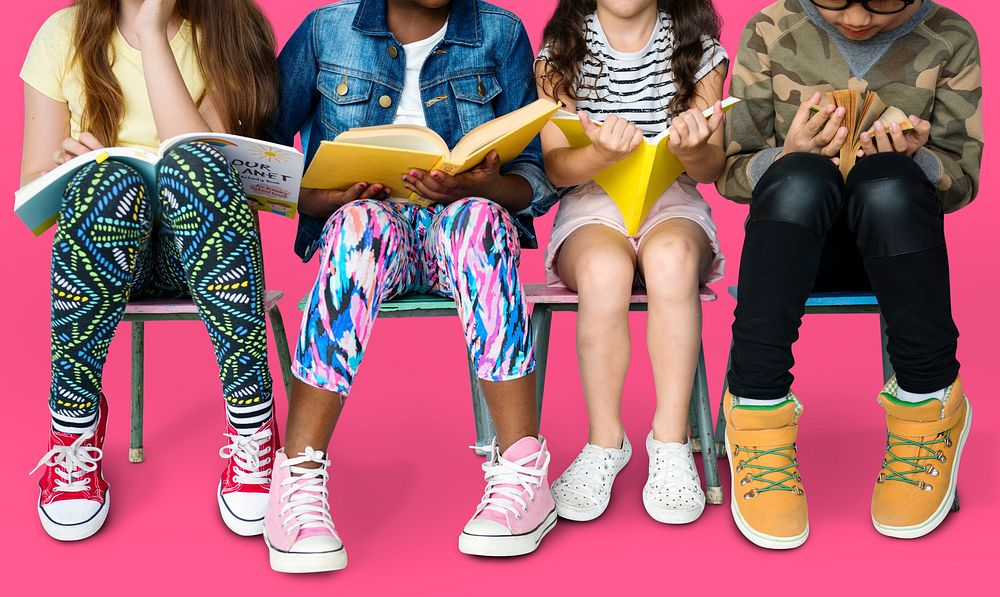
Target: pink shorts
x: 589, y: 204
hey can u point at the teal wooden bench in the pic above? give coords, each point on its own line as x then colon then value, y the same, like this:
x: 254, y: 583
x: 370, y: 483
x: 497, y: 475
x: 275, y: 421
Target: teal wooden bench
x: 139, y: 311
x: 546, y: 300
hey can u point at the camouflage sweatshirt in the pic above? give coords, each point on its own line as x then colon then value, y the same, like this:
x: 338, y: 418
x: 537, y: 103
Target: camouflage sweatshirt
x: 931, y: 70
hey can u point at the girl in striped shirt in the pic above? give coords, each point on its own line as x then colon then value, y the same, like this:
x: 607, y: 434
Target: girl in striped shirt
x: 642, y: 67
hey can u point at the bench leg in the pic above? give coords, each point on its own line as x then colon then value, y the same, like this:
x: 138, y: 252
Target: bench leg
x: 720, y: 423
x: 541, y: 325
x: 700, y: 404
x: 887, y: 370
x: 281, y: 342
x: 485, y: 432
x: 135, y: 453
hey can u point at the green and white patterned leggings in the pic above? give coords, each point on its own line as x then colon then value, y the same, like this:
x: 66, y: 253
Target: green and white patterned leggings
x: 113, y: 243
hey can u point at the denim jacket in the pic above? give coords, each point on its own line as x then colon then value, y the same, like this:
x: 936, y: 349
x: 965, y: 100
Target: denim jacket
x: 342, y: 68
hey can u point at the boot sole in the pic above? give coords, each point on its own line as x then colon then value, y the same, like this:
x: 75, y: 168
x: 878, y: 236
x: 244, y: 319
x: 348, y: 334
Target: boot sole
x: 78, y: 531
x: 240, y: 526
x: 506, y: 546
x: 944, y: 508
x: 757, y: 538
x: 304, y: 563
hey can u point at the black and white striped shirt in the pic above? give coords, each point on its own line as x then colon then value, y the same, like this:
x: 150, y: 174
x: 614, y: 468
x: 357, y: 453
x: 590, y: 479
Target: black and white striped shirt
x: 638, y: 85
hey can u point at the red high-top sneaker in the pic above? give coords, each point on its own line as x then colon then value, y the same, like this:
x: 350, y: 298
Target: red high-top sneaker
x: 75, y: 498
x: 246, y: 479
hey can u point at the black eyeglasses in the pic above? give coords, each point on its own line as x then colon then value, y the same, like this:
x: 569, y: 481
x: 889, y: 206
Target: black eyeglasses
x: 879, y: 7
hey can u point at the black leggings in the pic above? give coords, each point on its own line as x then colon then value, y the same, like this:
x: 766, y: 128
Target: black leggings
x: 808, y: 230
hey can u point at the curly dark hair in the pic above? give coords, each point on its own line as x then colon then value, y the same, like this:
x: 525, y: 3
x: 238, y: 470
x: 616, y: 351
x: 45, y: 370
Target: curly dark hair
x: 565, y: 38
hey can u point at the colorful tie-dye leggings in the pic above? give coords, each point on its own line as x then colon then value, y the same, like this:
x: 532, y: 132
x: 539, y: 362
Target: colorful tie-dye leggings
x: 113, y: 244
x: 372, y: 251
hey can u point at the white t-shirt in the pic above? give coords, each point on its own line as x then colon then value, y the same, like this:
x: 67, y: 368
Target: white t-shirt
x: 411, y: 105
x: 638, y: 85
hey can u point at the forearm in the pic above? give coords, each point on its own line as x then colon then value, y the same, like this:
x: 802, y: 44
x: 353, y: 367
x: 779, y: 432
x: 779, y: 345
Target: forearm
x: 706, y: 165
x: 569, y: 166
x: 174, y: 111
x: 510, y: 191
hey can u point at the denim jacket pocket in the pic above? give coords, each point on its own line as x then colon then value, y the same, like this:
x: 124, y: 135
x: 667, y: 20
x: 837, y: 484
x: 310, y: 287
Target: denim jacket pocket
x: 475, y: 95
x: 345, y: 100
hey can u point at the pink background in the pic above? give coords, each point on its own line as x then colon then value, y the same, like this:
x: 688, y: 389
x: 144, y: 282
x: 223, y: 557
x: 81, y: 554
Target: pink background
x: 403, y: 481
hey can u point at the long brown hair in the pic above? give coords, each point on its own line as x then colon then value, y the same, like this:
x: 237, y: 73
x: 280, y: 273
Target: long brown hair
x: 234, y: 45
x: 566, y: 40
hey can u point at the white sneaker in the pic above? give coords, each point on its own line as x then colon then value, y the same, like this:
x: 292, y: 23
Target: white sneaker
x: 583, y: 491
x: 673, y: 493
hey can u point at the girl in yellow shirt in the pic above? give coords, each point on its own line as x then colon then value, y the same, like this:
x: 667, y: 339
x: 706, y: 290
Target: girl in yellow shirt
x: 130, y: 73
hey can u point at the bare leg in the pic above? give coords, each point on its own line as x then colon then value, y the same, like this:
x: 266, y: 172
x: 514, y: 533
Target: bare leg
x: 312, y: 416
x: 598, y: 262
x: 674, y: 257
x: 513, y: 408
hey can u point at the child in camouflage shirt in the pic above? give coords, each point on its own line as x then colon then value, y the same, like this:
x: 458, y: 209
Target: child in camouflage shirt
x: 881, y: 230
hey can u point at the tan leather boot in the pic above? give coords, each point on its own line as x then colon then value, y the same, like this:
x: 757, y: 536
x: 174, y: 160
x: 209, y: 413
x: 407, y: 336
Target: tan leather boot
x: 768, y: 502
x: 916, y: 487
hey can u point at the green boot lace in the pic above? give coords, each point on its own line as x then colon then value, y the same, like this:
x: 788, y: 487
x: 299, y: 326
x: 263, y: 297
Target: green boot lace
x: 776, y: 478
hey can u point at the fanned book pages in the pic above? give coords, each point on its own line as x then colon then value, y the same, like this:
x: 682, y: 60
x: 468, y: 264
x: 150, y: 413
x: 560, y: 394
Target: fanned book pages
x: 270, y: 173
x: 636, y: 182
x: 384, y: 154
x: 863, y: 110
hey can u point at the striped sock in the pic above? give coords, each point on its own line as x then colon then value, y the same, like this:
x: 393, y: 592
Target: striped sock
x: 74, y: 424
x: 247, y: 419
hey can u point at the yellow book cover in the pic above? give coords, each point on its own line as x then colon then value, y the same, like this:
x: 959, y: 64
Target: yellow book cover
x: 383, y: 154
x: 636, y: 182
x: 862, y: 110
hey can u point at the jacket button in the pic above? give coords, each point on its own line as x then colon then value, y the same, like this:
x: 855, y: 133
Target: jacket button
x: 393, y: 52
x: 385, y: 101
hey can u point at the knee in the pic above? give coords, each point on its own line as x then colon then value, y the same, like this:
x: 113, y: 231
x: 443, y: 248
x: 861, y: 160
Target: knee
x: 605, y: 278
x: 671, y: 262
x: 187, y: 170
x: 892, y: 207
x: 474, y: 220
x: 800, y: 188
x: 361, y: 223
x: 110, y: 191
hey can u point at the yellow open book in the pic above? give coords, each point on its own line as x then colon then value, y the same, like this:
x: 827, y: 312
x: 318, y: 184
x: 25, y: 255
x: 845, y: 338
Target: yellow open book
x: 863, y: 109
x: 383, y: 154
x: 636, y: 182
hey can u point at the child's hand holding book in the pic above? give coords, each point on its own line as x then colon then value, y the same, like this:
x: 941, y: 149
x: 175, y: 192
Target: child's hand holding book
x: 690, y: 131
x: 482, y: 180
x: 816, y: 131
x: 894, y: 138
x: 321, y: 203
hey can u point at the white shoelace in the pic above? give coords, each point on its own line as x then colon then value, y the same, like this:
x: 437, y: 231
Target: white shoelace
x: 305, y: 503
x: 70, y: 459
x: 250, y: 455
x: 520, y: 479
x: 590, y: 469
x: 672, y: 468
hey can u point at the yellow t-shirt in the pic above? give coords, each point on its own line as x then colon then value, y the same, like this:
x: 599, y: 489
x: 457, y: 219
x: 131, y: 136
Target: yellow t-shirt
x: 50, y: 68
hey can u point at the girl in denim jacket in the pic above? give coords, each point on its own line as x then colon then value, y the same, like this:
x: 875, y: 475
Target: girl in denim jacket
x: 450, y: 66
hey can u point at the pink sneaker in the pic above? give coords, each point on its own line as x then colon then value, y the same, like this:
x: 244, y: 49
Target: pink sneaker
x: 298, y: 530
x: 517, y: 510
x: 75, y: 498
x: 246, y: 480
